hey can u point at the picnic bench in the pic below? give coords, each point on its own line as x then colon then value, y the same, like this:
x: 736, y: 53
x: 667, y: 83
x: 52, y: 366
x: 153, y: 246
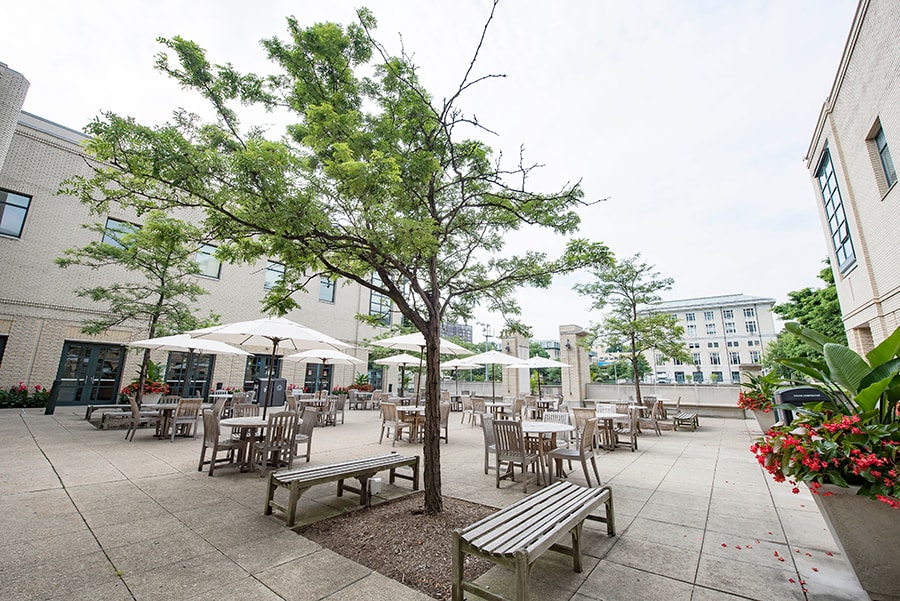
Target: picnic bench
x: 299, y: 480
x: 517, y: 535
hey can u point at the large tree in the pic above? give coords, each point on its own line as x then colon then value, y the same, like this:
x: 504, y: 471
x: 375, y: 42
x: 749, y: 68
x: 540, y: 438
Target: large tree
x: 814, y: 308
x: 375, y: 182
x: 161, y: 254
x: 630, y: 288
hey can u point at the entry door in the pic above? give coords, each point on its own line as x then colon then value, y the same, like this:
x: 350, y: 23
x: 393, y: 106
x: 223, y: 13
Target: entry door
x: 89, y: 373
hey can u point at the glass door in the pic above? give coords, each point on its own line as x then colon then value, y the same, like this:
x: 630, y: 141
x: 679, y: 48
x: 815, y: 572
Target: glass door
x: 89, y: 373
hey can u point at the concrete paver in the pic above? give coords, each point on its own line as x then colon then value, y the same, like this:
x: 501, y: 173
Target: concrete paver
x: 86, y: 515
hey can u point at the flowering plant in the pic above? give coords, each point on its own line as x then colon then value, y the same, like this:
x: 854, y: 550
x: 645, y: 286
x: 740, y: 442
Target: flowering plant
x: 18, y: 396
x: 758, y: 392
x: 851, y: 439
x: 341, y: 390
x: 149, y: 386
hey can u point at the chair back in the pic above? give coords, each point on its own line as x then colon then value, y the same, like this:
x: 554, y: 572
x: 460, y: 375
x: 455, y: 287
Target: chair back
x: 281, y: 429
x: 518, y: 405
x: 246, y: 410
x: 487, y: 426
x: 508, y: 437
x: 467, y: 402
x: 581, y: 415
x: 238, y: 397
x: 388, y: 412
x: 188, y: 408
x: 291, y: 401
x: 251, y: 396
x: 478, y: 405
x: 310, y: 417
x: 169, y: 399
x: 445, y: 414
x: 587, y: 435
x: 605, y: 408
x: 557, y: 417
x: 445, y: 396
x: 210, y: 429
x: 220, y: 404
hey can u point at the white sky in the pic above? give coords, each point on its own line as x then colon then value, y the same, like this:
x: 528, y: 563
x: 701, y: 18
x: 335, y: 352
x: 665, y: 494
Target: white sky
x: 692, y: 117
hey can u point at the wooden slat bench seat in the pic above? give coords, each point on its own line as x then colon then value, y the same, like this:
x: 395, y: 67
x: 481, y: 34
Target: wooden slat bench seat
x: 91, y: 408
x: 517, y: 535
x: 299, y: 480
x: 685, y: 418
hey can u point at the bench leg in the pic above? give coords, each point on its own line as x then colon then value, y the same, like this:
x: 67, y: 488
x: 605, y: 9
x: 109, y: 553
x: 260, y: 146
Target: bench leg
x: 523, y: 571
x: 459, y: 559
x: 293, y: 499
x: 576, y: 548
x: 270, y: 494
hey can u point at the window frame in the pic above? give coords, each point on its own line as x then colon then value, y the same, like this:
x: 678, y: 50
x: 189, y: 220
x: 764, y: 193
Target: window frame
x: 124, y: 227
x: 207, y: 259
x: 377, y: 301
x: 884, y: 156
x: 835, y: 214
x: 325, y: 284
x: 272, y: 267
x: 4, y: 203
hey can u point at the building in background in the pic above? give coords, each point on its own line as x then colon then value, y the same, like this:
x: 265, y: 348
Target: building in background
x: 40, y: 315
x: 721, y: 334
x: 457, y: 330
x: 551, y: 346
x: 855, y: 180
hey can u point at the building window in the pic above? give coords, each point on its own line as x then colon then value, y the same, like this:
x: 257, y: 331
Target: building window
x: 274, y: 274
x: 884, y: 153
x: 734, y: 343
x: 115, y: 230
x: 712, y: 345
x: 679, y: 377
x: 735, y: 377
x: 326, y: 289
x: 834, y: 213
x: 13, y: 210
x: 708, y: 315
x: 715, y: 376
x: 660, y: 360
x: 749, y: 312
x: 730, y: 327
x: 710, y: 329
x: 677, y: 362
x: 2, y: 347
x: 690, y: 317
x: 691, y: 330
x: 696, y: 358
x: 693, y: 345
x: 734, y: 357
x: 754, y: 357
x: 206, y: 259
x: 753, y: 343
x: 379, y: 304
x: 727, y: 314
x: 715, y: 359
x: 750, y: 326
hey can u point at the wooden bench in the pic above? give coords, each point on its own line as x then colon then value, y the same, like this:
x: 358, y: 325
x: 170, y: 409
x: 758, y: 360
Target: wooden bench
x: 91, y: 408
x: 299, y: 480
x: 685, y: 418
x: 517, y: 535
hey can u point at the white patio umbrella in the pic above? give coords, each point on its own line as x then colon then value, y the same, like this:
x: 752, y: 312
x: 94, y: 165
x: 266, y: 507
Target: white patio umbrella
x: 270, y: 332
x: 538, y: 363
x: 456, y: 365
x: 493, y: 358
x: 416, y: 342
x: 401, y: 360
x: 326, y: 357
x: 185, y: 344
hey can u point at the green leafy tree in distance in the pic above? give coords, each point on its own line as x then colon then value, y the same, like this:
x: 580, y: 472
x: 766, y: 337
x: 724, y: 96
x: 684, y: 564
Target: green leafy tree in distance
x: 162, y: 251
x: 374, y: 176
x: 630, y: 289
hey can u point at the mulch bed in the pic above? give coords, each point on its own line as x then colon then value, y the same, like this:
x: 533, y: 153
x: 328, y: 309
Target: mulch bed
x: 398, y: 540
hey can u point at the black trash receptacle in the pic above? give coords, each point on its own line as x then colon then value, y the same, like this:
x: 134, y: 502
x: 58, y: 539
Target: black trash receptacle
x: 279, y: 388
x: 797, y: 397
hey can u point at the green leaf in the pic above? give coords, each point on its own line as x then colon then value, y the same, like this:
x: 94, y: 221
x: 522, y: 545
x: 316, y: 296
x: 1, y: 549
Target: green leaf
x: 811, y: 337
x: 867, y: 398
x: 837, y: 479
x: 887, y: 350
x: 845, y: 367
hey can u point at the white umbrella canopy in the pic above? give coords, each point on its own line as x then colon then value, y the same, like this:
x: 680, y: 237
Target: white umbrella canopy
x: 493, y: 358
x: 538, y: 363
x: 416, y: 342
x: 185, y: 344
x: 325, y: 357
x: 270, y: 333
x: 402, y: 361
x: 457, y: 364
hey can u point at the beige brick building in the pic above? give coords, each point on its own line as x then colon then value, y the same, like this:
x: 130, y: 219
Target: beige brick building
x: 853, y: 174
x: 40, y: 316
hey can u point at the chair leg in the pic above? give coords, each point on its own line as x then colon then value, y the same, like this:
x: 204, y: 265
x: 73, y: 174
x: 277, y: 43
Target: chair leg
x: 596, y: 473
x: 203, y: 456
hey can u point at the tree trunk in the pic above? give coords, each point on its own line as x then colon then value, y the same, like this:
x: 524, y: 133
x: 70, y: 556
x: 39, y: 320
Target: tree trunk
x: 431, y: 444
x: 635, y: 372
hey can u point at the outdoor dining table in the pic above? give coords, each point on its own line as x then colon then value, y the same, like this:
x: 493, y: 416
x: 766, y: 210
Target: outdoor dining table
x: 498, y: 407
x: 413, y: 414
x: 247, y: 427
x: 607, y: 430
x: 165, y: 413
x: 546, y: 433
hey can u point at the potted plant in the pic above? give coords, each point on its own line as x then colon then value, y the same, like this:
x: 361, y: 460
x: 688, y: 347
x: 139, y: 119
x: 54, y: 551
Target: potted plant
x: 757, y: 395
x: 154, y: 387
x: 846, y: 451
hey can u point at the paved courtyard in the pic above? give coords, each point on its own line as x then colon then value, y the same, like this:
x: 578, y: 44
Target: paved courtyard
x: 86, y: 515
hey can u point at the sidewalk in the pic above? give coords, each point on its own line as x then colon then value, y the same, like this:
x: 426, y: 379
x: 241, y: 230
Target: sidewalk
x: 86, y: 515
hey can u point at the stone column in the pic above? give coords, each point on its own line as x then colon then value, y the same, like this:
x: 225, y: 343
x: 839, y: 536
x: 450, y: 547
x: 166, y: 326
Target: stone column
x: 515, y: 381
x: 575, y: 378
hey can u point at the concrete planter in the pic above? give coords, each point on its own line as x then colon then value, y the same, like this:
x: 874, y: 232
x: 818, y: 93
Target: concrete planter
x: 866, y: 531
x: 151, y: 398
x: 765, y: 419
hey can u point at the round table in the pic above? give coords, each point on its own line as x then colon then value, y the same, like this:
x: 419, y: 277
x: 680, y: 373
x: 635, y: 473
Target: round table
x: 540, y: 430
x: 417, y: 413
x: 247, y: 426
x: 497, y: 407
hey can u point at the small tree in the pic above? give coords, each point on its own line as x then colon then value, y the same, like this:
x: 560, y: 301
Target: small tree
x: 631, y: 288
x: 375, y: 183
x: 161, y: 252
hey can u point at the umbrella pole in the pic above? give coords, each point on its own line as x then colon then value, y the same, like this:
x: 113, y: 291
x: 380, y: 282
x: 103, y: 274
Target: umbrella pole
x: 271, y: 370
x: 402, y: 378
x: 419, y: 378
x: 185, y: 378
x: 493, y: 385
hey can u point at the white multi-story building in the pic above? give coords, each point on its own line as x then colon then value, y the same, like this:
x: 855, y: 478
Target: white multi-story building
x: 855, y: 180
x: 721, y: 334
x: 41, y: 316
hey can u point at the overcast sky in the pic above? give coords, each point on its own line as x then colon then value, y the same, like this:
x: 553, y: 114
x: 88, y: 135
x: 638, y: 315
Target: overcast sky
x: 692, y: 118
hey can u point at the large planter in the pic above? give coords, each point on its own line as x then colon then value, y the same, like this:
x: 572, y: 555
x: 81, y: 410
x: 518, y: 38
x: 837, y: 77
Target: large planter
x: 866, y: 532
x: 151, y: 398
x: 765, y: 419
